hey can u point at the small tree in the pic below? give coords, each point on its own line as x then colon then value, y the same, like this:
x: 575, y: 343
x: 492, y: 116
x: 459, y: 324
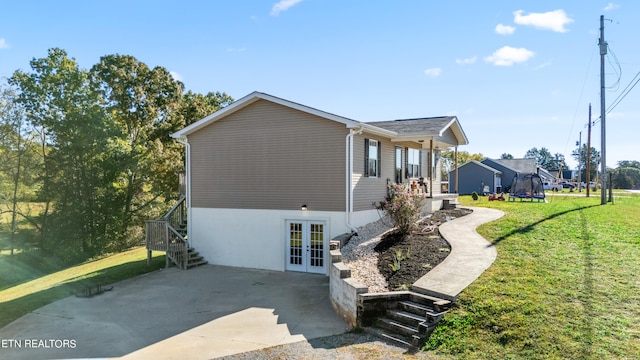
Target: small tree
x: 402, y: 206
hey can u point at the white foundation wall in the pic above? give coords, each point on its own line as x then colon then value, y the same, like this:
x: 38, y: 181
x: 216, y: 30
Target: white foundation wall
x: 253, y: 238
x: 361, y: 218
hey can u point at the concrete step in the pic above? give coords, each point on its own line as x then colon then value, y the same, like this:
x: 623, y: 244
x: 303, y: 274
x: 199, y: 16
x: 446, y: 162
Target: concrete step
x: 406, y: 318
x: 197, y: 263
x: 396, y: 327
x: 436, y: 303
x: 395, y: 339
x: 427, y: 313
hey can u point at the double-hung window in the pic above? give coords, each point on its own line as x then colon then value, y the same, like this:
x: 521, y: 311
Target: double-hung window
x: 398, y: 165
x: 413, y: 163
x: 371, y: 158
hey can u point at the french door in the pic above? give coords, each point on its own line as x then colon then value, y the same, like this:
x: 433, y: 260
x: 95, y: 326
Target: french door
x: 306, y: 246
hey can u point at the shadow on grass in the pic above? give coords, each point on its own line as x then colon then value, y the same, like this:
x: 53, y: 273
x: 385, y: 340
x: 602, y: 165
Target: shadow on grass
x: 587, y: 294
x: 16, y: 308
x: 530, y: 227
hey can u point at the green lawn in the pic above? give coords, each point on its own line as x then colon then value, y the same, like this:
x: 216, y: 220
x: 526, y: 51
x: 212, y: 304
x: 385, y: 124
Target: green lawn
x: 30, y: 289
x: 565, y: 285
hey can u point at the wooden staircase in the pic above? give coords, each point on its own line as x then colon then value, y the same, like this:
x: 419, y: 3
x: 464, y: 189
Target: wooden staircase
x: 194, y: 258
x: 169, y: 234
x: 406, y: 318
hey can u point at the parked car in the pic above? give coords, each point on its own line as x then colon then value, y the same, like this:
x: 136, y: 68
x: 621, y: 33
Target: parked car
x: 548, y: 185
x: 592, y: 185
x: 567, y: 185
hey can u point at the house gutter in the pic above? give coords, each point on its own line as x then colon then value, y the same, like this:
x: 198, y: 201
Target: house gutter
x: 349, y: 174
x: 188, y: 185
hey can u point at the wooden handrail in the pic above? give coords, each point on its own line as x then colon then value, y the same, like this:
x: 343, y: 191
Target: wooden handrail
x: 161, y: 235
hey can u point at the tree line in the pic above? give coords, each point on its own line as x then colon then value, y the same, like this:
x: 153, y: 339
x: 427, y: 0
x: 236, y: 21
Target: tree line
x: 92, y: 147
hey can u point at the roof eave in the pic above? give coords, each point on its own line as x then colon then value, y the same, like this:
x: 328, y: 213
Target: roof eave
x: 250, y: 99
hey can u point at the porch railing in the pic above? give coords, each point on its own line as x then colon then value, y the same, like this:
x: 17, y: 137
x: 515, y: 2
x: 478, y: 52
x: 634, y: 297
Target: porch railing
x: 168, y: 234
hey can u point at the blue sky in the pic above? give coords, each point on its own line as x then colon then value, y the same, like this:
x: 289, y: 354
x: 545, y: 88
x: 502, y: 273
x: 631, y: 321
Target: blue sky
x: 518, y: 74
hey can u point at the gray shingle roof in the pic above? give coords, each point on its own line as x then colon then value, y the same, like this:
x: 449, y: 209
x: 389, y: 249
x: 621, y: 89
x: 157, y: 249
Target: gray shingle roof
x: 421, y: 126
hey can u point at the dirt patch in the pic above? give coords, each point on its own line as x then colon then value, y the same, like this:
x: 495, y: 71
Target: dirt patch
x: 405, y: 259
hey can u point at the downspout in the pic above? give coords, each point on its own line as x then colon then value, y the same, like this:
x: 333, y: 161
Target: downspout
x: 188, y: 187
x: 349, y: 175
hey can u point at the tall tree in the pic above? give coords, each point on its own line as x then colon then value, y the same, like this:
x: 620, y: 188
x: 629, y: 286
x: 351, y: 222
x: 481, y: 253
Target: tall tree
x: 196, y: 106
x: 448, y: 161
x: 16, y: 157
x: 74, y: 131
x: 143, y: 103
x: 545, y: 159
x: 580, y: 156
x: 626, y: 175
x: 506, y: 156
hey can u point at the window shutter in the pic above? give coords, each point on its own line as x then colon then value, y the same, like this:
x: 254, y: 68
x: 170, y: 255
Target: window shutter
x: 406, y: 162
x: 366, y: 157
x: 379, y: 159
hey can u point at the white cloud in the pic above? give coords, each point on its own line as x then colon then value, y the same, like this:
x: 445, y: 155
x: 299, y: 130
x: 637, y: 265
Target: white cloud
x: 507, y: 56
x: 283, y: 5
x: 466, y: 61
x: 505, y: 29
x: 3, y: 44
x: 433, y: 72
x: 611, y: 6
x: 551, y: 20
x: 175, y: 76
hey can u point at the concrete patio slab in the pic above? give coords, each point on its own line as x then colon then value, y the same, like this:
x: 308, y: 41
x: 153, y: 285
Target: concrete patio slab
x: 201, y: 313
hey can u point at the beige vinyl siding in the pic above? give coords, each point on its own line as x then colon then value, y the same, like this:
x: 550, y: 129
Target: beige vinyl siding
x: 268, y: 156
x: 368, y: 190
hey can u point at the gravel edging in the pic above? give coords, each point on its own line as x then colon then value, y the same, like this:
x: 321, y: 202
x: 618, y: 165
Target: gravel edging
x: 346, y: 346
x: 359, y: 255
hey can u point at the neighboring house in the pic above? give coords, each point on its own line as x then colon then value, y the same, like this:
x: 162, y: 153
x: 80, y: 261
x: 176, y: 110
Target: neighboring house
x: 474, y: 176
x: 494, y: 175
x: 270, y: 181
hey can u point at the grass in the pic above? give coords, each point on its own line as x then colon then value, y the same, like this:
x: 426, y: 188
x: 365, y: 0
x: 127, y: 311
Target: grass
x: 565, y: 284
x: 36, y: 289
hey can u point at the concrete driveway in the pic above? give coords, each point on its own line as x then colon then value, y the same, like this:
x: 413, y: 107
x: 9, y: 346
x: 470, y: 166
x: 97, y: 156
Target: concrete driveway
x: 201, y: 313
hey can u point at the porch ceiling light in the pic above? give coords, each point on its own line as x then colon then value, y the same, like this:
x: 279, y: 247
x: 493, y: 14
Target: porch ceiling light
x: 303, y: 207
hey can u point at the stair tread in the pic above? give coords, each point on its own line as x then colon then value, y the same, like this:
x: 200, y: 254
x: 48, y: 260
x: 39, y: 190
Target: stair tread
x: 399, y: 325
x: 409, y: 315
x: 423, y: 307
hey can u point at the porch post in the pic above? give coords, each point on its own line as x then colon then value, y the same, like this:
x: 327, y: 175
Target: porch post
x: 455, y: 160
x: 431, y: 168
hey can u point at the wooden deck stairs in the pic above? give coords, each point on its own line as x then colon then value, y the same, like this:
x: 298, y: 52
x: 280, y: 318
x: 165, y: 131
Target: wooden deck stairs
x: 169, y: 234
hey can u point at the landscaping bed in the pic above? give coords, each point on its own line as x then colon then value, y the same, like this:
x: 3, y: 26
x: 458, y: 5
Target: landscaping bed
x: 403, y: 259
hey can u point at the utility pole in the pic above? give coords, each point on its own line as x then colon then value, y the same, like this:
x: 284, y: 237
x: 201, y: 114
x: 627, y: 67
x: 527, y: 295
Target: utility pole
x: 579, y: 143
x: 603, y: 161
x: 588, y: 159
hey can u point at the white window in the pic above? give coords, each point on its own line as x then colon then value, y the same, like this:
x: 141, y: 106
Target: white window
x: 413, y: 163
x: 371, y: 158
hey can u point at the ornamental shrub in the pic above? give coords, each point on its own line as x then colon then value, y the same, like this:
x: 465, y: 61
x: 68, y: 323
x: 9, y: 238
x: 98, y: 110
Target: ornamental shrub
x: 402, y: 206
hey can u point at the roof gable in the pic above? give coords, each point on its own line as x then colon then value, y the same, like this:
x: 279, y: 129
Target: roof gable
x: 477, y: 163
x: 250, y: 99
x: 418, y: 130
x: 429, y: 126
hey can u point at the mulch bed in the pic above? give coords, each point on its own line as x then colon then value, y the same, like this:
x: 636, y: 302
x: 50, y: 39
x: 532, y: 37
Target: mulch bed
x: 419, y: 252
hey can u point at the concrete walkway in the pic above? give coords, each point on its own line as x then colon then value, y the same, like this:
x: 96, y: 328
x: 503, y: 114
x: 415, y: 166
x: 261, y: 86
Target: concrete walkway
x: 470, y: 255
x: 203, y: 313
